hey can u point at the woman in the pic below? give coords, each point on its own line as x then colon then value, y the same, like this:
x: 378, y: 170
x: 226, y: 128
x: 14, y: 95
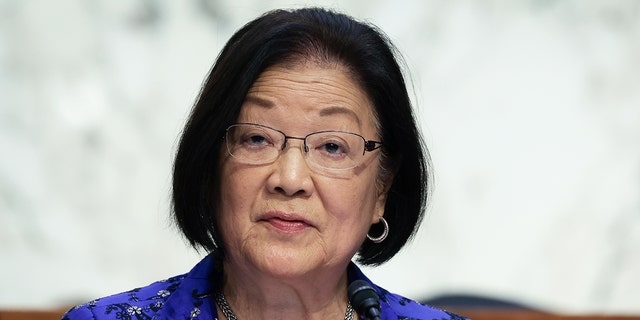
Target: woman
x: 300, y: 153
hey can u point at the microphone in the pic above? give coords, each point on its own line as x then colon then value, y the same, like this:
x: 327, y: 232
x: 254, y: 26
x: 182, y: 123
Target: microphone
x: 365, y: 299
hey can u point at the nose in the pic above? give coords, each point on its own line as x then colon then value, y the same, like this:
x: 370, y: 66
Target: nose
x: 291, y: 174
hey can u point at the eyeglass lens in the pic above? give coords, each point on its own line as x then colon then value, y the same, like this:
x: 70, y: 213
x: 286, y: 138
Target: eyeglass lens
x: 257, y: 144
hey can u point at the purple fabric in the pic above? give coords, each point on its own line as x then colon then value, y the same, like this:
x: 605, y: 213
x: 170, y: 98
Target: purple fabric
x: 190, y: 296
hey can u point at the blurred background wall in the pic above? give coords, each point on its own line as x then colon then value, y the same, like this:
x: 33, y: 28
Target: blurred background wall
x: 531, y: 110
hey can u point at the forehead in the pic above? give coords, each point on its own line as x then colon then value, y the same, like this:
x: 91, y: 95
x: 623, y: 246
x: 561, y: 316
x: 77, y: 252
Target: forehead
x: 309, y: 91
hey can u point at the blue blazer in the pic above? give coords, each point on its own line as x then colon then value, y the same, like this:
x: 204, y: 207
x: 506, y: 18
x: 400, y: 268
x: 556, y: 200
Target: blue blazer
x: 190, y: 296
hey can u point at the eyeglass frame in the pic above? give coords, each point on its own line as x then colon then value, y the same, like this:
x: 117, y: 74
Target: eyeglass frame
x: 369, y: 145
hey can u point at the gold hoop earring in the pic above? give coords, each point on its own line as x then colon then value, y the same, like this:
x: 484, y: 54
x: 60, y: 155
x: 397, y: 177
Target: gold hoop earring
x: 384, y: 234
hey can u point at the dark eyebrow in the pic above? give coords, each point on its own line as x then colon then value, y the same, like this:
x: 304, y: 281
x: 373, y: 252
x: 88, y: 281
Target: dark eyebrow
x: 324, y: 112
x: 259, y: 101
x: 340, y: 110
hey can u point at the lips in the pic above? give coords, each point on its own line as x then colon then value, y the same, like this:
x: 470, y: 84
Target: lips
x: 286, y: 222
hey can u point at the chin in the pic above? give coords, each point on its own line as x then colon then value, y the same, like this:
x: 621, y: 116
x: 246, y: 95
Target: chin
x: 289, y: 263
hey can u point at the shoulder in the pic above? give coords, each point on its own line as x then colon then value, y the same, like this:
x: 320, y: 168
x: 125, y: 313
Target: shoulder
x: 139, y: 303
x: 405, y: 308
x: 395, y: 306
x: 180, y: 297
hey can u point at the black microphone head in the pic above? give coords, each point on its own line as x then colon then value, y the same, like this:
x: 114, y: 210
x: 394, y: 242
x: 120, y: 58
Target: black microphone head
x: 364, y: 299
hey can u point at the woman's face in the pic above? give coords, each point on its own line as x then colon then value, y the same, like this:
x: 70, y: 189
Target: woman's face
x: 288, y: 218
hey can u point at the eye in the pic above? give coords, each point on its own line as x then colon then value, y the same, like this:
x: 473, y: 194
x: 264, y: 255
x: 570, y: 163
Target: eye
x: 252, y: 140
x: 255, y: 140
x: 253, y: 137
x: 332, y: 148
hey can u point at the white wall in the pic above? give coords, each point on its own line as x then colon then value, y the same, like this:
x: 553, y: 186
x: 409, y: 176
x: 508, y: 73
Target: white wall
x: 531, y: 110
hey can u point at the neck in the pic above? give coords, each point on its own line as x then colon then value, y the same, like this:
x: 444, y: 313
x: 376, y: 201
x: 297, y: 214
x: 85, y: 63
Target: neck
x: 253, y: 295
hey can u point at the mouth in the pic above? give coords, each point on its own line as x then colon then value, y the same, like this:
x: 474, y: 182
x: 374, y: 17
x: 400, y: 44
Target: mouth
x: 286, y: 222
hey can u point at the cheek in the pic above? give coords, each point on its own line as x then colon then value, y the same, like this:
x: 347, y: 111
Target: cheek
x: 351, y: 202
x: 236, y: 189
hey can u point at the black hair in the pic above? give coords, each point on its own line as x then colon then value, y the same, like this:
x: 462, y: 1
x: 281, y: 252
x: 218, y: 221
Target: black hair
x: 284, y: 36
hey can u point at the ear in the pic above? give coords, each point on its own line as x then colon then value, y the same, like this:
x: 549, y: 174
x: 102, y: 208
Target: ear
x: 383, y: 184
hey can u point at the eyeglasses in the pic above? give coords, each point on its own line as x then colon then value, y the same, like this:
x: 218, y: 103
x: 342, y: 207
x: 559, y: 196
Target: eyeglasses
x: 252, y: 143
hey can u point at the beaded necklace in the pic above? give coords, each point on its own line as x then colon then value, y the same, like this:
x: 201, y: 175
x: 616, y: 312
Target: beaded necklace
x: 221, y: 301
